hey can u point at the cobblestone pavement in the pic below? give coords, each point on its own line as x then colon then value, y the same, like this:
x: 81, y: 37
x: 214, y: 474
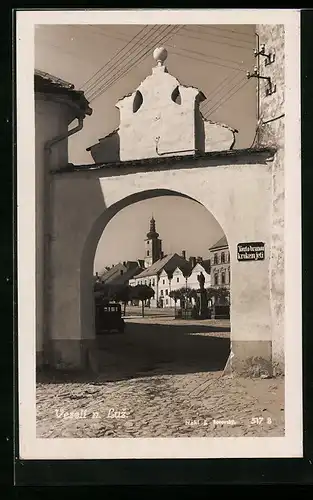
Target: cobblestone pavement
x: 161, y: 379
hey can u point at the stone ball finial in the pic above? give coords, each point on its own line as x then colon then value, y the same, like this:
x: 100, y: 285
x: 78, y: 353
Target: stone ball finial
x: 159, y: 55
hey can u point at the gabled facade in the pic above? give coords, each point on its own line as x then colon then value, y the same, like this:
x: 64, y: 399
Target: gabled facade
x: 203, y: 268
x: 161, y: 118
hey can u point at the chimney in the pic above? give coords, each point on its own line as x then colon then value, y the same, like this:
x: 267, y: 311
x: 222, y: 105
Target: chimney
x: 183, y: 254
x: 193, y: 261
x: 199, y: 259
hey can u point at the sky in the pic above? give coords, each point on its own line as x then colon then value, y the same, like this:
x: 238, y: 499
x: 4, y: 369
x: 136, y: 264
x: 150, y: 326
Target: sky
x: 110, y: 61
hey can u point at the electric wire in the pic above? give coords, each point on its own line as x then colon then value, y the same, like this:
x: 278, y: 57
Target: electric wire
x: 218, y: 42
x: 226, y: 98
x: 113, y: 58
x: 221, y: 86
x: 218, y: 36
x: 125, y: 60
x: 122, y: 72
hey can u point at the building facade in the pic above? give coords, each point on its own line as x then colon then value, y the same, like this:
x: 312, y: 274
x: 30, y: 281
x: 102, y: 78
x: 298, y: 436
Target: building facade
x: 220, y: 264
x: 242, y: 188
x: 57, y: 105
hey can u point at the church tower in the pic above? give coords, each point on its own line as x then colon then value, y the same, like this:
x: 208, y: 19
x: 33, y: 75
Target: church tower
x: 153, y: 245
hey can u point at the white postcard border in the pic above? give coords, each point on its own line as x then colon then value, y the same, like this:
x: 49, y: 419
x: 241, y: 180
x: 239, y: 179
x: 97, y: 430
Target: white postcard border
x: 246, y: 447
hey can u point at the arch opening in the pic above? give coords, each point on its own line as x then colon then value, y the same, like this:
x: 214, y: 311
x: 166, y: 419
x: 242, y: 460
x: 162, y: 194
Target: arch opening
x: 163, y: 304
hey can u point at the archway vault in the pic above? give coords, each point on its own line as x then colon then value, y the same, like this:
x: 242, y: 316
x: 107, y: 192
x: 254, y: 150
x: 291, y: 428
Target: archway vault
x: 88, y: 254
x: 84, y: 203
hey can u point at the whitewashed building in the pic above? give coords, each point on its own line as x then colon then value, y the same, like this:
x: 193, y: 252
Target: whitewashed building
x: 151, y: 275
x: 184, y: 276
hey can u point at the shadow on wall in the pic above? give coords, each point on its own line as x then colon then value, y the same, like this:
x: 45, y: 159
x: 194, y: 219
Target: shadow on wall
x: 107, y: 149
x: 147, y: 350
x: 92, y: 190
x: 199, y: 131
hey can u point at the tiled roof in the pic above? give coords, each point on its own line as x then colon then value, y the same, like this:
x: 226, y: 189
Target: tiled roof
x: 261, y: 155
x: 206, y: 264
x: 126, y: 276
x: 185, y: 268
x: 168, y: 263
x: 221, y: 243
x: 46, y: 83
x: 114, y: 276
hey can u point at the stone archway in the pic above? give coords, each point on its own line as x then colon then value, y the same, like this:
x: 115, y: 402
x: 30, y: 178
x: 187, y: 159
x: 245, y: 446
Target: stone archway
x: 83, y: 203
x: 86, y: 273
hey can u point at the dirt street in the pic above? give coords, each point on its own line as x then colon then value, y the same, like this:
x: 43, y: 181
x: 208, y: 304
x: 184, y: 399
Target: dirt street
x: 162, y: 378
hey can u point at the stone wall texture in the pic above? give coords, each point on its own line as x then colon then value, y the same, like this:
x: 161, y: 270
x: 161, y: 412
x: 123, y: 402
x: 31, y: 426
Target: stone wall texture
x: 273, y: 134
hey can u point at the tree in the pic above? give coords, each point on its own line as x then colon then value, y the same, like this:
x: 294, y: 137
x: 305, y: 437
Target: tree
x: 175, y: 295
x: 183, y: 293
x: 220, y: 295
x: 143, y: 293
x: 123, y: 294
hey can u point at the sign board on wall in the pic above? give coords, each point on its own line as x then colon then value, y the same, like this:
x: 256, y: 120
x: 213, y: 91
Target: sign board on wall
x: 251, y: 251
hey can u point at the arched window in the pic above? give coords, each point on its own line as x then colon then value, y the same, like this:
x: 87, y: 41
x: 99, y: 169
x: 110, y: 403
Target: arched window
x: 222, y: 257
x: 176, y: 97
x: 215, y: 258
x: 138, y: 100
x: 223, y: 278
x: 215, y: 279
x: 148, y: 253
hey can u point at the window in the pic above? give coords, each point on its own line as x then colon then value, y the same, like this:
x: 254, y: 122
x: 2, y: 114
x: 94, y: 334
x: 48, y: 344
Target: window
x: 138, y: 100
x: 148, y: 253
x: 166, y: 292
x: 216, y: 279
x: 229, y: 276
x: 215, y: 259
x: 153, y: 282
x: 222, y: 257
x: 176, y: 97
x: 163, y: 282
x: 161, y: 293
x: 122, y: 272
x: 166, y: 302
x: 223, y: 278
x: 177, y: 279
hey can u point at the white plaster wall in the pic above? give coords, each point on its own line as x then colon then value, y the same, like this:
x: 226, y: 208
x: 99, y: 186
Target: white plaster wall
x: 51, y: 120
x: 218, y: 137
x: 158, y: 117
x: 193, y: 282
x: 238, y: 196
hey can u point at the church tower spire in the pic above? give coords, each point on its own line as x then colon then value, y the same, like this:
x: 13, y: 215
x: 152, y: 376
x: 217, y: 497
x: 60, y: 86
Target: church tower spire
x: 153, y: 245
